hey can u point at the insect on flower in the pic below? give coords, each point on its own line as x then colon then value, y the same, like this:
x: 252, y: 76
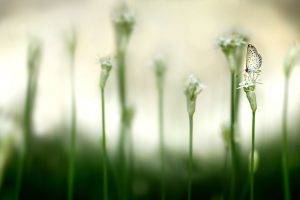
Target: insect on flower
x: 253, y: 68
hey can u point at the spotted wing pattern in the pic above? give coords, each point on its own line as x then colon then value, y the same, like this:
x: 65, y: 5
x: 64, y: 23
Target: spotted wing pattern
x: 254, y: 60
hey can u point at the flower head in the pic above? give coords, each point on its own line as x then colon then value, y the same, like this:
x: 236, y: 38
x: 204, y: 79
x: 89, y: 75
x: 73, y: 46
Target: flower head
x: 232, y: 46
x: 230, y: 42
x: 159, y: 64
x: 291, y: 59
x: 192, y: 88
x: 123, y: 19
x: 250, y: 80
x: 106, y: 65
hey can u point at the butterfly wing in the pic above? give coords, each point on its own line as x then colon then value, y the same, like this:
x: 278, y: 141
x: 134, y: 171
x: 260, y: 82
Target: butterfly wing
x: 254, y: 59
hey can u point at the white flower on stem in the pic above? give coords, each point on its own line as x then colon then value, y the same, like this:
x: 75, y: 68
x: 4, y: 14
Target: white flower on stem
x: 232, y: 45
x: 192, y: 89
x: 106, y: 65
x: 123, y: 19
x: 250, y: 80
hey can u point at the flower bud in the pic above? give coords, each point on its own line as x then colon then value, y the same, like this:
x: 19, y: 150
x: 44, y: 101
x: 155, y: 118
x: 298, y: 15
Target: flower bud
x: 192, y: 89
x: 159, y: 64
x: 124, y: 20
x: 106, y: 65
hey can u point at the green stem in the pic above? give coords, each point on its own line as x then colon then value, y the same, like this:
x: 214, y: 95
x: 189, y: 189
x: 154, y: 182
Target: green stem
x: 161, y: 137
x: 232, y: 136
x: 121, y: 73
x: 105, y: 157
x: 252, y: 158
x: 285, y: 170
x: 131, y: 164
x: 73, y: 135
x: 27, y: 124
x: 20, y: 174
x: 190, y: 157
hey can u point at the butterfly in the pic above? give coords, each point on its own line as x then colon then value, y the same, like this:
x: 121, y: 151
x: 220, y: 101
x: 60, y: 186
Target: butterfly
x: 254, y: 60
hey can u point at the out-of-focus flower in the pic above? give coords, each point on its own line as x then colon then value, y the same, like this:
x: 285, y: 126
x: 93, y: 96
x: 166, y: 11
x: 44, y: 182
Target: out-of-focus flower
x: 291, y: 59
x: 192, y: 88
x: 124, y: 20
x: 106, y: 65
x: 232, y: 45
x: 159, y: 64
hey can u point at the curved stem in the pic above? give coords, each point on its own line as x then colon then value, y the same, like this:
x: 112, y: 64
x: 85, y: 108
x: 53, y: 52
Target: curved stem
x: 285, y: 170
x: 30, y: 98
x: 105, y: 186
x: 252, y: 158
x: 190, y: 157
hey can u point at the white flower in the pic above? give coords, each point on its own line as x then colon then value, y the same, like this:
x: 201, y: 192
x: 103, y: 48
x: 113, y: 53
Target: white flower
x: 250, y: 80
x: 192, y: 89
x: 159, y: 63
x: 123, y: 19
x: 106, y: 65
x: 231, y: 42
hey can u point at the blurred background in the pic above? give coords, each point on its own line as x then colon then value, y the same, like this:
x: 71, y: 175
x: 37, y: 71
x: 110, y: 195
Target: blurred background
x: 186, y: 33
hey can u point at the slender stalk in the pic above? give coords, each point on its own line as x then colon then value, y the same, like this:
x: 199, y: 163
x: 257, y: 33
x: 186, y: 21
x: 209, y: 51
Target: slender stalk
x: 33, y: 61
x: 105, y: 185
x: 252, y: 158
x: 232, y: 136
x: 123, y: 102
x: 20, y: 174
x: 285, y: 170
x: 124, y: 21
x: 190, y: 157
x: 73, y: 135
x: 131, y: 164
x: 161, y: 137
x: 225, y: 168
x: 191, y: 91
